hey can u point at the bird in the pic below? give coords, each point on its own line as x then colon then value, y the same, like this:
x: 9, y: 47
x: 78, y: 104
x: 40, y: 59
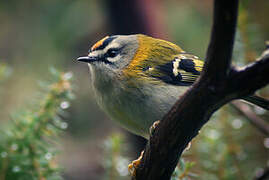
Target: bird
x: 136, y: 78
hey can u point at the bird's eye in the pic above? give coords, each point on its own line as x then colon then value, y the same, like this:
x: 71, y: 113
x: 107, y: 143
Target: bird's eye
x: 112, y: 52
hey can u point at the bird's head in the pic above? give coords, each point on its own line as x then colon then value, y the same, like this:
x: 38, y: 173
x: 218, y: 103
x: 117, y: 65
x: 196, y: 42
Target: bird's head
x: 113, y: 52
x: 129, y: 55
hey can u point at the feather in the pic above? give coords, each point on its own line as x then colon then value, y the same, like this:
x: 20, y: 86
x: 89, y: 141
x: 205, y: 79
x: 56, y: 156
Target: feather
x: 157, y: 59
x: 182, y: 70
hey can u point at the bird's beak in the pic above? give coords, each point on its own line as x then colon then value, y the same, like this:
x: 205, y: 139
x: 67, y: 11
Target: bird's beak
x: 87, y: 59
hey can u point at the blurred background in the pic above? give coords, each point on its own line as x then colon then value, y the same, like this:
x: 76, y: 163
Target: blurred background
x: 36, y: 35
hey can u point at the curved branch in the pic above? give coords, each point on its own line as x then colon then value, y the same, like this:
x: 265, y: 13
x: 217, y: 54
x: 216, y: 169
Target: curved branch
x: 218, y: 84
x: 183, y: 121
x: 252, y: 77
x: 219, y: 52
x: 245, y: 110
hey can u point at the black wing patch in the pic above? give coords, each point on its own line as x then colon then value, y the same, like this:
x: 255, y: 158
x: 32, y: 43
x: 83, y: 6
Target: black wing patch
x: 188, y: 65
x: 168, y: 76
x: 181, y: 71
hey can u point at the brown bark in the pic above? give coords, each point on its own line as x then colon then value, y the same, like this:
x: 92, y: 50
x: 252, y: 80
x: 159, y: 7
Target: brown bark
x: 219, y: 84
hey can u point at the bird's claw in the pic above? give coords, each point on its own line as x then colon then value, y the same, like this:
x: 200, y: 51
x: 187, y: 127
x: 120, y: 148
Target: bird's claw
x: 133, y: 166
x: 153, y: 126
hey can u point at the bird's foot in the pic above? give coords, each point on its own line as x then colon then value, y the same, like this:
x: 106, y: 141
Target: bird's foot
x: 153, y: 126
x: 132, y: 167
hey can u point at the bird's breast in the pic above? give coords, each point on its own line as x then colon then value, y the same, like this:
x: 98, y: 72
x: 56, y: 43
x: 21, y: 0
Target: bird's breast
x: 135, y: 108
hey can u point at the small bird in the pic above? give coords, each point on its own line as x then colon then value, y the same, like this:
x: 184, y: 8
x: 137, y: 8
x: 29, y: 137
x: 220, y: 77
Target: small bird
x: 137, y: 79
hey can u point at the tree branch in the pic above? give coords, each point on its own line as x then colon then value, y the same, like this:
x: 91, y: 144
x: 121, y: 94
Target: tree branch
x: 252, y: 77
x: 219, y: 53
x: 179, y: 126
x: 245, y: 110
x: 216, y: 86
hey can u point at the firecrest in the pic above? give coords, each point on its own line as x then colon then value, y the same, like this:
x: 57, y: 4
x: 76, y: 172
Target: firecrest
x: 137, y: 78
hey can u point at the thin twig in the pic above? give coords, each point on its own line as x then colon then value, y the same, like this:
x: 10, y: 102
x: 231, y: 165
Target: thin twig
x: 255, y: 120
x: 35, y: 163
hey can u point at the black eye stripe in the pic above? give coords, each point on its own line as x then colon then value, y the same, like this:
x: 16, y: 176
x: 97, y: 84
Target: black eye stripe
x: 112, y: 49
x: 112, y: 52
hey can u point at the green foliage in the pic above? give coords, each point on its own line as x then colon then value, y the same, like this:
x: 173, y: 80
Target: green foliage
x: 27, y: 142
x: 226, y: 149
x: 182, y: 171
x: 115, y: 164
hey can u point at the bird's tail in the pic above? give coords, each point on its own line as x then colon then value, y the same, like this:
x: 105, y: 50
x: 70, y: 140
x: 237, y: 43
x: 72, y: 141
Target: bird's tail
x: 259, y: 101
